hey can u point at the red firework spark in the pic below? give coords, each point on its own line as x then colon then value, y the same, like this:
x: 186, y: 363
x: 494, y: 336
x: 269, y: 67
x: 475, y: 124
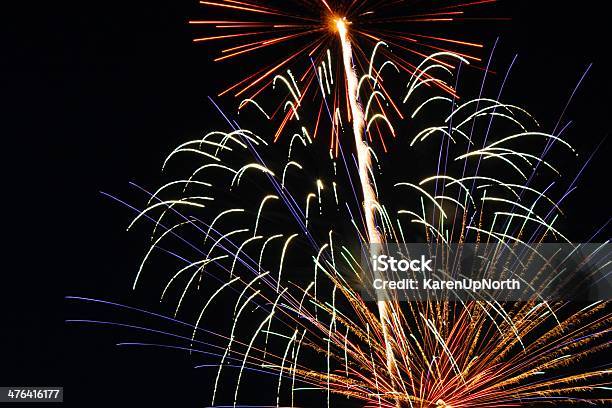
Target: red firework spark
x: 302, y: 31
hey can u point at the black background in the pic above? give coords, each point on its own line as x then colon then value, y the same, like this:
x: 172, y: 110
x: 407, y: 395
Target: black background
x: 94, y: 94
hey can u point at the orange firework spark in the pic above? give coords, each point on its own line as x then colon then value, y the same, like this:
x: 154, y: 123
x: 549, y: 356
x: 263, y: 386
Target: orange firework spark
x: 307, y: 31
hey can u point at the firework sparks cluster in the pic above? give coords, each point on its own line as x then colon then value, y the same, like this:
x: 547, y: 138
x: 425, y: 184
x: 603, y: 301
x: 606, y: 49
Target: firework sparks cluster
x: 310, y: 30
x: 478, y: 353
x: 268, y: 231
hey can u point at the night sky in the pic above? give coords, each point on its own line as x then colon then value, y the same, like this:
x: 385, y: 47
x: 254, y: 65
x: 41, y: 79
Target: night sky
x: 95, y: 94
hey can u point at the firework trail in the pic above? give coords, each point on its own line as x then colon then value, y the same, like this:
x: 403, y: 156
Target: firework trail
x: 365, y: 164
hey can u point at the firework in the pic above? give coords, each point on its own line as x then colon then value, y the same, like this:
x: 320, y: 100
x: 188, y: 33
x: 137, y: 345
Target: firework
x: 370, y: 21
x: 308, y: 327
x: 246, y: 224
x: 254, y: 32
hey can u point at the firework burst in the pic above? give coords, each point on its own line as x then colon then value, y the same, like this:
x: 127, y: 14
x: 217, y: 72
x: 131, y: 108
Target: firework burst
x: 278, y: 248
x: 253, y: 33
x: 267, y: 230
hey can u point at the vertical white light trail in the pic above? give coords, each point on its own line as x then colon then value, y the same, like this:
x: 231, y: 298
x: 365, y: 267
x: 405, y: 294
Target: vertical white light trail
x: 364, y: 161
